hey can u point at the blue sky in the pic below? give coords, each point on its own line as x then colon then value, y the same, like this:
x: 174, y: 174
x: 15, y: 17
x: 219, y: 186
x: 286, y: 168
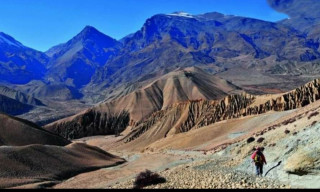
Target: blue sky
x: 41, y: 24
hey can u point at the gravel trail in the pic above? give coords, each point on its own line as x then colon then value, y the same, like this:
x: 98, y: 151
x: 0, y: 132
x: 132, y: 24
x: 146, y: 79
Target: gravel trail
x: 208, y: 174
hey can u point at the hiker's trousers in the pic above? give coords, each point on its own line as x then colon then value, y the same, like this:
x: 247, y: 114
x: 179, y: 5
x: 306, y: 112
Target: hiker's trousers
x: 259, y: 170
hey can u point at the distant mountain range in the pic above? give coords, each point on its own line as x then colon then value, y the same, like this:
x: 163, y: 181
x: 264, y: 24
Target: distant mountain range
x: 212, y: 41
x: 304, y: 15
x: 20, y: 64
x: 15, y: 102
x: 74, y: 62
x: 258, y: 56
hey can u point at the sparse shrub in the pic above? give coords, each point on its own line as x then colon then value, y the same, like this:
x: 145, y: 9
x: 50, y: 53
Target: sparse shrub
x: 272, y: 145
x: 260, y: 140
x: 289, y: 121
x: 295, y: 133
x: 314, y: 123
x: 271, y: 128
x: 313, y: 114
x: 251, y: 139
x: 286, y: 131
x: 147, y: 178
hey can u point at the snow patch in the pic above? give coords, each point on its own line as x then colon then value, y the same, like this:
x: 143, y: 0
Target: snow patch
x: 181, y: 14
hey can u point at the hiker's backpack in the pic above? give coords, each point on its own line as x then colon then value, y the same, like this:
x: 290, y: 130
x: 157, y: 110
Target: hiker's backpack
x: 258, y: 159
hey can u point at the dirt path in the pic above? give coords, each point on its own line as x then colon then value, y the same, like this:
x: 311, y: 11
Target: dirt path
x: 106, y: 178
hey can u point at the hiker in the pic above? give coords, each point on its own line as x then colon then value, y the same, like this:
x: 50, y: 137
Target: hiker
x: 259, y: 159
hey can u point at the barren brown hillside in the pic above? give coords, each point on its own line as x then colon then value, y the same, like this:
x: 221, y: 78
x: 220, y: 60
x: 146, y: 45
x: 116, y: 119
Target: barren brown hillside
x: 37, y: 165
x: 19, y: 132
x: 108, y: 118
x: 33, y: 156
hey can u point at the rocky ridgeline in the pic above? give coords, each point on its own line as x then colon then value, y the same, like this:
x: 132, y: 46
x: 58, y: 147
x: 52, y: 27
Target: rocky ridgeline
x: 13, y: 107
x: 18, y: 96
x: 199, y: 113
x: 202, y: 113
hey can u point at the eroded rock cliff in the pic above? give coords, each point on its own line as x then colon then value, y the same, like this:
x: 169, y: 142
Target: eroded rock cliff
x: 183, y: 116
x: 91, y: 123
x: 189, y: 115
